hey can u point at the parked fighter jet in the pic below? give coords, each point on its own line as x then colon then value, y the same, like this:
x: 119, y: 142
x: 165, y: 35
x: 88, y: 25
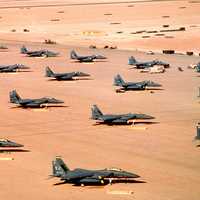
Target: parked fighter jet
x: 112, y: 119
x: 91, y: 58
x: 88, y: 177
x: 8, y: 143
x: 39, y: 53
x: 142, y: 65
x: 12, y: 68
x: 32, y: 103
x: 118, y: 81
x: 64, y: 76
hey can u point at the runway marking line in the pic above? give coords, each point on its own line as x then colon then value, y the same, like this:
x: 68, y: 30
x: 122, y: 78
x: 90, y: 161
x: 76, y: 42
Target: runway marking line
x: 40, y: 110
x: 6, y: 158
x: 120, y: 192
x: 138, y: 127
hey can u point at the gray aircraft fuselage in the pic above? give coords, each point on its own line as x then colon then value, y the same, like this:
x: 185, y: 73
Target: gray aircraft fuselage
x: 138, y: 85
x: 65, y: 76
x: 85, y: 176
x: 79, y: 173
x: 89, y: 58
x: 111, y: 119
x: 8, y: 143
x: 12, y: 68
x: 38, y: 102
x: 121, y: 119
x: 32, y: 103
x: 118, y: 81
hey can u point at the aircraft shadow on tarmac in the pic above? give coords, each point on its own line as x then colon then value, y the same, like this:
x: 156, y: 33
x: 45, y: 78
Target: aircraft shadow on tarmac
x: 13, y: 150
x: 127, y: 124
x: 40, y: 108
x: 74, y: 79
x: 127, y: 181
x: 64, y: 182
x: 93, y: 62
x: 26, y: 71
x: 152, y: 89
x: 16, y: 72
x: 146, y: 89
x: 147, y: 123
x: 106, y: 183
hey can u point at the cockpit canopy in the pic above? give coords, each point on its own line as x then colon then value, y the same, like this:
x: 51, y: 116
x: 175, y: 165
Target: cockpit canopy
x: 4, y: 140
x: 114, y: 169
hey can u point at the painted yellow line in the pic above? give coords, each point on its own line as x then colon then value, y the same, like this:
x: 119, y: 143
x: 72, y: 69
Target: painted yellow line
x: 138, y: 127
x: 88, y: 63
x: 40, y: 110
x: 6, y: 158
x: 120, y: 192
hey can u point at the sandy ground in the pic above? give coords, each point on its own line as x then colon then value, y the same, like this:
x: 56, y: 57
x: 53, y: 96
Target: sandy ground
x: 105, y: 24
x: 163, y: 155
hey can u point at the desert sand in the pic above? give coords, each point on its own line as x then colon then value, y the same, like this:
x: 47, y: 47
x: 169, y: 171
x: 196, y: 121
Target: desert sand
x: 104, y: 24
x: 164, y: 155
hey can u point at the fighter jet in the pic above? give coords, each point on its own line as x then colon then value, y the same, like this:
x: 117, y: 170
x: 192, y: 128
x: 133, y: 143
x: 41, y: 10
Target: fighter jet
x: 8, y: 143
x: 32, y: 103
x: 39, y: 53
x: 88, y: 177
x: 118, y: 81
x: 142, y: 65
x: 116, y: 119
x: 91, y: 58
x: 12, y: 68
x: 64, y: 76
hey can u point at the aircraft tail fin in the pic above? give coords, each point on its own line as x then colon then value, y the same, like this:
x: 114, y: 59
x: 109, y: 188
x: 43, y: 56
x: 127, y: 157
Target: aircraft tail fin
x: 49, y: 72
x: 14, y: 97
x: 73, y: 55
x: 118, y: 81
x: 96, y: 112
x: 132, y: 60
x: 59, y: 167
x: 23, y: 50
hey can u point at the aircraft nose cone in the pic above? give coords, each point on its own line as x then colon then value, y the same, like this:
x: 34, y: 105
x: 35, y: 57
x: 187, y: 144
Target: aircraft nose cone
x: 148, y: 117
x: 13, y: 144
x: 156, y: 85
x: 53, y: 100
x: 153, y: 84
x: 100, y: 57
x: 159, y: 85
x: 20, y: 66
x: 129, y: 175
x: 132, y: 175
x: 83, y: 74
x: 59, y: 101
x: 24, y: 67
x: 18, y: 145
